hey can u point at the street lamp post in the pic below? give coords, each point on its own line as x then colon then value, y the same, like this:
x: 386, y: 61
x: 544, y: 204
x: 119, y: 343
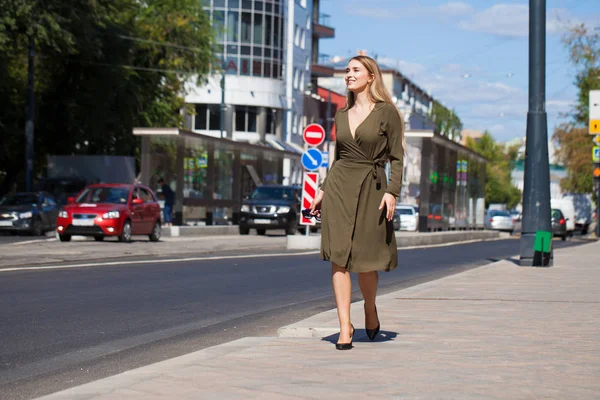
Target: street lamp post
x: 536, y: 192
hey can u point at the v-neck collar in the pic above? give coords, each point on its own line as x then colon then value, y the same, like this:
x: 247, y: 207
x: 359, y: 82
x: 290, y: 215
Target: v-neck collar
x: 375, y: 107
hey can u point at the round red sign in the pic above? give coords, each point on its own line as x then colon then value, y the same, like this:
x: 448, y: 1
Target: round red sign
x: 314, y: 135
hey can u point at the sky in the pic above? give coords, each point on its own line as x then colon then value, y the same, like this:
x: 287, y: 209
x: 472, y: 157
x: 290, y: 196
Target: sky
x: 471, y: 55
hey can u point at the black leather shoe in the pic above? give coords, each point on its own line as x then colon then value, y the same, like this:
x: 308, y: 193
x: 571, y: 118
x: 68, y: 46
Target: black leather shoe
x: 346, y: 346
x: 372, y: 333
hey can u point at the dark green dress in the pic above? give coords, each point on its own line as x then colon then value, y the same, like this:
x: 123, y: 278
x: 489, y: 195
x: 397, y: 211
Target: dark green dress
x: 354, y: 233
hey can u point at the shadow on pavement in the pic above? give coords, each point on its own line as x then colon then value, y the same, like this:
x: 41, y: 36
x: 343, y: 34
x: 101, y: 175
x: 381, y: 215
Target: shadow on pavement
x: 360, y: 336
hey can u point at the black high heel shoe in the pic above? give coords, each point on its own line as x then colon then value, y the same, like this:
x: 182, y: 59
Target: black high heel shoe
x: 346, y: 346
x: 372, y: 333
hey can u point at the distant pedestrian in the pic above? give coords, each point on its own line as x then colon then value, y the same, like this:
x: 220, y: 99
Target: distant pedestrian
x: 169, y: 196
x: 355, y: 202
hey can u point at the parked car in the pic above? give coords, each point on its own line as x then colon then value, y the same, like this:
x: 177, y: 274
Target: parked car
x: 31, y: 212
x: 408, y: 218
x: 61, y: 188
x: 499, y: 220
x: 271, y: 207
x: 559, y: 224
x: 111, y: 210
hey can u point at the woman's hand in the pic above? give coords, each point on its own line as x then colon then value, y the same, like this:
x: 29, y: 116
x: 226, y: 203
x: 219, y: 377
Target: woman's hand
x: 315, y: 206
x: 389, y: 202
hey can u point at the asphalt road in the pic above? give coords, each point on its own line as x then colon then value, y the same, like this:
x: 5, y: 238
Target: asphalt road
x: 62, y: 328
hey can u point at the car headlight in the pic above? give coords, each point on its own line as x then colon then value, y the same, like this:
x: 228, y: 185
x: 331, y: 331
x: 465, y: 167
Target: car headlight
x: 26, y: 215
x: 245, y: 208
x: 63, y: 214
x: 111, y: 215
x: 283, y: 210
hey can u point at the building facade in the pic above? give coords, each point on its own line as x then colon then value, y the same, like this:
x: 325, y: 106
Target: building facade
x: 264, y: 47
x: 248, y: 121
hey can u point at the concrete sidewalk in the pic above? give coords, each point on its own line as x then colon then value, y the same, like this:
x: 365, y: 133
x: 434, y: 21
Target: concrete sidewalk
x: 495, y: 332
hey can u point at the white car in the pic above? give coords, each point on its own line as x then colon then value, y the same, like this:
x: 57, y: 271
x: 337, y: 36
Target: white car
x: 499, y: 221
x: 409, y: 219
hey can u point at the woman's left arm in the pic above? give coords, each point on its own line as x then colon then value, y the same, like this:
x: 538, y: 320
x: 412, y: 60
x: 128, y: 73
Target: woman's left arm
x: 396, y: 142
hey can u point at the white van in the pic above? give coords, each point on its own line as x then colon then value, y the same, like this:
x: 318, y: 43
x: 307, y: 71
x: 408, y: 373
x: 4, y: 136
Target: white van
x: 583, y: 210
x: 568, y: 210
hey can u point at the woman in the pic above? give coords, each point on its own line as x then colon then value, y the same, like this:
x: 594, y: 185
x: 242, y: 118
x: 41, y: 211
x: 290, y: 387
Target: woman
x: 356, y: 203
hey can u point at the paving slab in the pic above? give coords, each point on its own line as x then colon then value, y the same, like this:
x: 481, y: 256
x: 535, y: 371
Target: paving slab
x: 496, y: 332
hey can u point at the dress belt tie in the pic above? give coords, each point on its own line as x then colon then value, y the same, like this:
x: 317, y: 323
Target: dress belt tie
x: 379, y: 162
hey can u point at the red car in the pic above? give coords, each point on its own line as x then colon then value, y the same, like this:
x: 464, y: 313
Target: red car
x: 110, y: 210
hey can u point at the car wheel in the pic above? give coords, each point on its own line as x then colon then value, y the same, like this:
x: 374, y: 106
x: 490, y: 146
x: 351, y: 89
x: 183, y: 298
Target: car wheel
x: 125, y: 235
x: 244, y: 231
x: 155, y: 235
x: 98, y: 238
x: 564, y: 237
x: 261, y: 231
x: 584, y: 230
x: 36, y: 228
x: 314, y: 229
x: 291, y: 230
x: 64, y: 238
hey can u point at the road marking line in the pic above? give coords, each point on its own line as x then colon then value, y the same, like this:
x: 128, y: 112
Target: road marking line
x: 213, y: 258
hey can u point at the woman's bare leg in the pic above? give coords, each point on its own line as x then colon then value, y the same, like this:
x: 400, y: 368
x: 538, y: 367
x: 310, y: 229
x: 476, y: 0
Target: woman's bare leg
x: 342, y: 289
x: 368, y: 282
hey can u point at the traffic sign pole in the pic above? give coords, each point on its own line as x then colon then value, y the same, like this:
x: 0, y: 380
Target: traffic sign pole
x: 594, y: 112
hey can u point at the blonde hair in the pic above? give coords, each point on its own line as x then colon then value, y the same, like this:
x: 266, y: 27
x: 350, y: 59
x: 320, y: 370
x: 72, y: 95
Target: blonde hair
x: 377, y: 91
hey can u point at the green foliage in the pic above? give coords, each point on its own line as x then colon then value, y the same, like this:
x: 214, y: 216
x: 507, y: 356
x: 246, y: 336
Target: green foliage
x: 584, y: 50
x: 446, y: 121
x: 574, y: 142
x: 575, y: 154
x: 498, y: 186
x: 102, y: 67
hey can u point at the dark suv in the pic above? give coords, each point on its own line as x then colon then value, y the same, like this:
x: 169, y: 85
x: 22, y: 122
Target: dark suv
x: 271, y: 207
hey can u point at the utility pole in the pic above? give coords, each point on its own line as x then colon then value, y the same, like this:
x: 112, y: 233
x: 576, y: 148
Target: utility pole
x: 30, y: 115
x: 536, y: 193
x: 222, y: 115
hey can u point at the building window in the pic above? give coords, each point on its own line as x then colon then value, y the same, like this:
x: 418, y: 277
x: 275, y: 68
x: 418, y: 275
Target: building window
x: 219, y: 25
x: 246, y: 35
x: 258, y: 29
x: 208, y: 117
x: 232, y: 26
x: 295, y: 78
x: 297, y: 35
x: 271, y: 121
x: 303, y: 39
x: 245, y: 119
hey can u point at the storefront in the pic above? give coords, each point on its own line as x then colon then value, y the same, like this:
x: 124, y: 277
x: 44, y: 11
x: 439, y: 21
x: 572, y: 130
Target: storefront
x: 446, y: 181
x: 210, y: 176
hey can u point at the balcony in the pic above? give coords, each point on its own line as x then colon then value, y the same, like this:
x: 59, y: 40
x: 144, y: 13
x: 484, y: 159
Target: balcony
x: 322, y: 28
x: 323, y: 67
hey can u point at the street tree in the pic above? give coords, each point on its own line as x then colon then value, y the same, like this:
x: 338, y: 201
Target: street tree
x: 501, y: 160
x: 574, y: 144
x: 102, y: 68
x: 446, y: 120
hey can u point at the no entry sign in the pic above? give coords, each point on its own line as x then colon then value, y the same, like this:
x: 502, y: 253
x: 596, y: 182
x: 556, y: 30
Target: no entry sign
x: 314, y: 135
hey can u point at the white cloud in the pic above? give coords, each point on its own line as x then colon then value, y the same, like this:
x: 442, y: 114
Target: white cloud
x: 455, y: 8
x: 512, y: 20
x: 500, y: 19
x: 452, y: 9
x: 407, y: 68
